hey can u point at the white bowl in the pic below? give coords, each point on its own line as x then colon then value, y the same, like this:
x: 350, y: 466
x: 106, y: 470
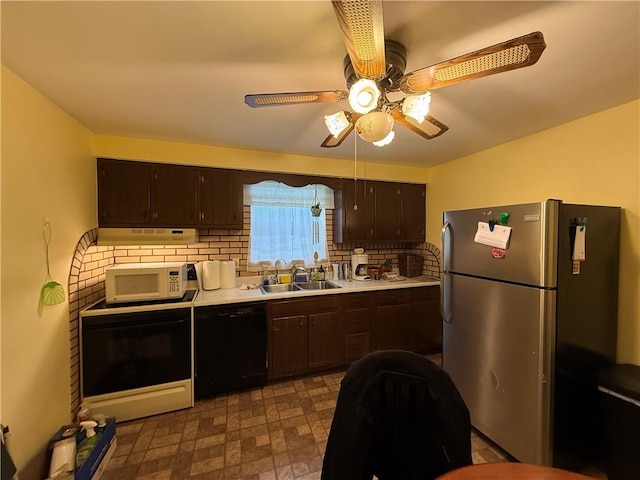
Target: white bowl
x: 358, y: 251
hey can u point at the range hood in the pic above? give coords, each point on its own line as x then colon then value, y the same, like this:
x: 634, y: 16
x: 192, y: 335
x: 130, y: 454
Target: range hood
x: 147, y: 236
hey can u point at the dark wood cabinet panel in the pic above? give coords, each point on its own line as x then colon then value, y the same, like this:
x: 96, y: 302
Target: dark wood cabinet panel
x: 358, y: 313
x: 387, y: 211
x: 175, y: 196
x: 356, y: 345
x: 137, y: 194
x: 413, y: 212
x: 324, y: 347
x: 394, y: 297
x: 326, y: 331
x: 221, y: 198
x: 124, y: 193
x: 426, y: 319
x: 351, y: 224
x: 294, y: 351
x: 393, y: 327
x: 289, y: 346
x: 358, y: 320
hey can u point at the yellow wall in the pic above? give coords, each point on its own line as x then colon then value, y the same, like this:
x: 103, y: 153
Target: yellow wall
x: 593, y: 160
x: 47, y: 172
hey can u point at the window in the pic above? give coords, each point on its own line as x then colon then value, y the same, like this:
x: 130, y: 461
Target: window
x: 282, y: 225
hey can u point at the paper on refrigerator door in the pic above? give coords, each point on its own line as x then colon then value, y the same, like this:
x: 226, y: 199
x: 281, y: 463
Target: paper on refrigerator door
x: 579, y: 244
x: 499, y: 237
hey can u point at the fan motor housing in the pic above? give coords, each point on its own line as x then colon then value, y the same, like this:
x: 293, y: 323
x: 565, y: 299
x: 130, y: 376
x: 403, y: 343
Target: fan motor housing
x: 396, y: 60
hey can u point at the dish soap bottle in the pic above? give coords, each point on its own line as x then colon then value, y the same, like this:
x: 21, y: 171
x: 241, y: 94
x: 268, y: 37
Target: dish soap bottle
x: 88, y: 444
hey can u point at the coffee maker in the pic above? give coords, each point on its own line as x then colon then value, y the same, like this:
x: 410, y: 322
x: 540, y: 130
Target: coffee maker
x: 360, y: 266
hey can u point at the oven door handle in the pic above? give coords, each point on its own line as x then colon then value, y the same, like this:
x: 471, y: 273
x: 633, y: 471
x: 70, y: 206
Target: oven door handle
x: 87, y: 324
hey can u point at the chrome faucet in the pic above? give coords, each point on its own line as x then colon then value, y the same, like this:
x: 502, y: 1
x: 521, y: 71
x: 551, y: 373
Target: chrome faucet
x: 276, y: 264
x: 295, y: 269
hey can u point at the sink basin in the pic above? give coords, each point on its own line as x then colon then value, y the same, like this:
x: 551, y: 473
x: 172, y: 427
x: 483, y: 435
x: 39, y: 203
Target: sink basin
x: 279, y: 288
x: 317, y: 285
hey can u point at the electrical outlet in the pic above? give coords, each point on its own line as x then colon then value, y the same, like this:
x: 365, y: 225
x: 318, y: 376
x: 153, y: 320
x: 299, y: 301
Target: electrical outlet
x: 237, y: 262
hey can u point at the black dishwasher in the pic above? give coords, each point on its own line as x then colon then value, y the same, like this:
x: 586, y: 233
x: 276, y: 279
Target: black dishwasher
x: 230, y: 347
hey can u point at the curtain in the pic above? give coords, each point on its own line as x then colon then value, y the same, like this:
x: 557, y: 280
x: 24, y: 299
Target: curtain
x: 282, y: 226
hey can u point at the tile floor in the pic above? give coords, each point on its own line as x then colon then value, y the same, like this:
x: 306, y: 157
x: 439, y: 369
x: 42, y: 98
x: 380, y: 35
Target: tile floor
x: 277, y: 432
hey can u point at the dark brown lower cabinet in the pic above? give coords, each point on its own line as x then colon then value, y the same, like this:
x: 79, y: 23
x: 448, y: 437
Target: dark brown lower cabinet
x: 289, y: 339
x: 393, y: 320
x: 324, y: 350
x: 317, y: 333
x: 304, y: 336
x: 358, y: 313
x: 426, y: 319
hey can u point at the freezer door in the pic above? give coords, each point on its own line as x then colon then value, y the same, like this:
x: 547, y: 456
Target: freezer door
x: 530, y: 257
x: 496, y: 348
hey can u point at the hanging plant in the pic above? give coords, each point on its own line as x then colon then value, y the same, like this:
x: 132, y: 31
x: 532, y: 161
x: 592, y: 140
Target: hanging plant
x: 316, y: 210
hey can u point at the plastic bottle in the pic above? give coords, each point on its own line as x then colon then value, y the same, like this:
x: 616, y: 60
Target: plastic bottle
x: 321, y: 273
x: 84, y: 413
x: 88, y: 444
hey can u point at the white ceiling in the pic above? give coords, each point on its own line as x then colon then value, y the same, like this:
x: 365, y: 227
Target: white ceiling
x: 179, y: 71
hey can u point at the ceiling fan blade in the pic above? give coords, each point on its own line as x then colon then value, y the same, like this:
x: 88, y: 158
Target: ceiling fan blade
x: 363, y: 32
x: 429, y: 128
x: 278, y: 99
x: 515, y: 53
x: 332, y: 141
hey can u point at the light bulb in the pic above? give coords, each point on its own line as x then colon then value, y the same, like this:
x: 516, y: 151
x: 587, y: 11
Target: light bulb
x: 364, y: 95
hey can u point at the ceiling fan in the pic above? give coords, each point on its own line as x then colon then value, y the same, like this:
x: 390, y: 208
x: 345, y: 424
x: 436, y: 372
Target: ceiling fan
x: 374, y: 66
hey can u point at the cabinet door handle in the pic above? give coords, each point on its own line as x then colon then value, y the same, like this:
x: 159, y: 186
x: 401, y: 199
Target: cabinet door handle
x: 300, y: 323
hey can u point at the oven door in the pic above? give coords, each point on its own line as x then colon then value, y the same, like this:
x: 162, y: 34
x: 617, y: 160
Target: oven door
x: 125, y: 351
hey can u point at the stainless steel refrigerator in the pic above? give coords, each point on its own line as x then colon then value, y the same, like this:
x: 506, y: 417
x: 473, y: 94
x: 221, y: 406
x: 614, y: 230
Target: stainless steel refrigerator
x: 529, y: 303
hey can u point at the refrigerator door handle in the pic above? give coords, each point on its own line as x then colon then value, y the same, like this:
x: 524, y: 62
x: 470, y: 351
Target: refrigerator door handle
x: 444, y: 311
x: 445, y: 227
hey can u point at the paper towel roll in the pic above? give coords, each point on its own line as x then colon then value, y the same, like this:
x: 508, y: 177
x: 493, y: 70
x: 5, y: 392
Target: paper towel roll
x: 228, y: 274
x: 211, y: 275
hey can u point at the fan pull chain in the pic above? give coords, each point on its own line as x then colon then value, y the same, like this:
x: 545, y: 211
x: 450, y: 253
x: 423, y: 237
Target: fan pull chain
x: 355, y: 173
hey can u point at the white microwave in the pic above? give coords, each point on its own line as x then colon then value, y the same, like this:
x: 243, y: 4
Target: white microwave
x: 136, y: 282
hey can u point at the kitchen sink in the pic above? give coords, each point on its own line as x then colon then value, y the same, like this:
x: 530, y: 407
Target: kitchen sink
x: 317, y: 285
x: 279, y: 288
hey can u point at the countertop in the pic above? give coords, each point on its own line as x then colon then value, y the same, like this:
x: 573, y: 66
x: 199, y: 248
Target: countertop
x: 239, y: 295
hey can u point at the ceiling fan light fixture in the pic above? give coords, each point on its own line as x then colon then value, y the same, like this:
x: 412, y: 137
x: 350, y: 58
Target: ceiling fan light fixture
x: 364, y: 95
x: 374, y: 126
x: 336, y: 123
x: 386, y: 140
x: 417, y: 106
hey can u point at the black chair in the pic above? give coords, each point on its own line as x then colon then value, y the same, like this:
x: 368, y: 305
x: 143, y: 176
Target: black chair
x: 398, y: 416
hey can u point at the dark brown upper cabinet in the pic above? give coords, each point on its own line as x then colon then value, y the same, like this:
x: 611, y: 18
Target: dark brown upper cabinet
x: 137, y: 194
x: 174, y: 196
x: 351, y: 223
x: 124, y: 193
x: 413, y: 212
x: 387, y: 211
x: 221, y: 198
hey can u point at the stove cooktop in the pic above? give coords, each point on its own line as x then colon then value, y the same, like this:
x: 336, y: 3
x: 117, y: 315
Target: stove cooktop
x: 186, y: 298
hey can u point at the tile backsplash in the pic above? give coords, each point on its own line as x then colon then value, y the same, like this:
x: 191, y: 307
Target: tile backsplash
x: 86, y: 277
